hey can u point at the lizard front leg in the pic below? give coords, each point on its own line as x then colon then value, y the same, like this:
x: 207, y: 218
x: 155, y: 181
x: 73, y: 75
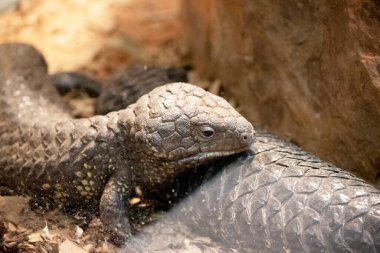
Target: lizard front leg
x: 113, y: 206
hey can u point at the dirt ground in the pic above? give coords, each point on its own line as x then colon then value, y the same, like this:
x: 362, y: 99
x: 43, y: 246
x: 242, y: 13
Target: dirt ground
x: 96, y: 38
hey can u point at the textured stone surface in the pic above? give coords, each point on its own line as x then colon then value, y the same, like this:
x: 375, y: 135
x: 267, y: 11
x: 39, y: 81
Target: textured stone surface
x: 306, y: 70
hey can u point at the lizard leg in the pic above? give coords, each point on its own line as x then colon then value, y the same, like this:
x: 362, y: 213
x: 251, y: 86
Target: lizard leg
x: 69, y: 81
x: 113, y: 207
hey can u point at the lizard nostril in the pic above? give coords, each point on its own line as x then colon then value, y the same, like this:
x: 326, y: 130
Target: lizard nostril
x: 247, y: 138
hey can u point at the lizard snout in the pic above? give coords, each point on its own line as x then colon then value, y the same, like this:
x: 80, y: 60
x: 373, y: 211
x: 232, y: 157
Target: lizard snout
x: 247, y: 138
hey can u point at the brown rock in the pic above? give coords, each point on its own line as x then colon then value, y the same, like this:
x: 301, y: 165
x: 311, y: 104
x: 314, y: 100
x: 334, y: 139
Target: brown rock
x: 306, y: 70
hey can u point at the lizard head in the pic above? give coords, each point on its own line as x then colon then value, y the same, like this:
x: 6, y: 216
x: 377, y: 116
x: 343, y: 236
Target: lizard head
x: 181, y: 125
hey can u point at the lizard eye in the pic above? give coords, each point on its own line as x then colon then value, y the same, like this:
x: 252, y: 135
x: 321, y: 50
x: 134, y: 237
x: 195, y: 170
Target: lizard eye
x: 207, y: 132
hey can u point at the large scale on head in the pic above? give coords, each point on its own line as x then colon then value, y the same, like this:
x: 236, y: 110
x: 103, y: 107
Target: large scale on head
x: 185, y: 125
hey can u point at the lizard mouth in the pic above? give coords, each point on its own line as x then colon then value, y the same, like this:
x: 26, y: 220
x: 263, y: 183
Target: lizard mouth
x: 208, y: 156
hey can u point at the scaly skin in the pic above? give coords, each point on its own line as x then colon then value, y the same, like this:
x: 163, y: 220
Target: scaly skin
x: 125, y: 87
x: 80, y: 162
x: 276, y: 199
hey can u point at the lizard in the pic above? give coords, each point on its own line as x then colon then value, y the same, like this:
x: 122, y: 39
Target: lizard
x: 93, y: 163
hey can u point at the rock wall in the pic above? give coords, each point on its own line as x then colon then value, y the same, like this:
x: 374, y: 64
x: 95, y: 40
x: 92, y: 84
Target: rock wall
x: 306, y: 70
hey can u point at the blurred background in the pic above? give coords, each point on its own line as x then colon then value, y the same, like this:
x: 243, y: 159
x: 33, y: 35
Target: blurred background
x: 96, y: 37
x: 308, y: 71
